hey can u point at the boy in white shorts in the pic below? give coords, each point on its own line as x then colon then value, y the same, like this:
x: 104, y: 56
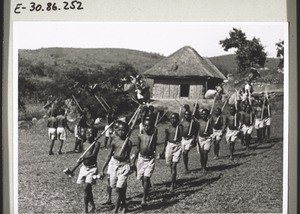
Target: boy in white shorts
x: 204, y: 137
x: 145, y: 154
x: 189, y: 136
x: 267, y: 120
x: 120, y: 166
x: 52, y: 125
x: 259, y: 122
x: 232, y: 123
x: 172, y: 147
x: 217, y: 134
x: 62, y: 124
x: 247, y: 122
x: 89, y: 169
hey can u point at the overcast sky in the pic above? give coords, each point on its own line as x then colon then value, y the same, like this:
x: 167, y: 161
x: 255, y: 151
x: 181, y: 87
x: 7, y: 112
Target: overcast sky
x: 163, y: 38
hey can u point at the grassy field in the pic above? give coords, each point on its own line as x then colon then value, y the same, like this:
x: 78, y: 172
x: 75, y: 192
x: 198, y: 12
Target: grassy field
x: 251, y: 183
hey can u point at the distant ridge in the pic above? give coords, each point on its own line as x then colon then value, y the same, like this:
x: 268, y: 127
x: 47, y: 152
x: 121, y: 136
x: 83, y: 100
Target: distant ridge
x: 99, y: 58
x: 92, y: 58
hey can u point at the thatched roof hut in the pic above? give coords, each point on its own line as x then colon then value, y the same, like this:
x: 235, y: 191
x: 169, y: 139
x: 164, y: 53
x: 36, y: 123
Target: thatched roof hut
x: 183, y: 74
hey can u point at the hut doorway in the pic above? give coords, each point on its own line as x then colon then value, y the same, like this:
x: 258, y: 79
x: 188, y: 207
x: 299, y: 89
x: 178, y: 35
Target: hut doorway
x: 184, y: 90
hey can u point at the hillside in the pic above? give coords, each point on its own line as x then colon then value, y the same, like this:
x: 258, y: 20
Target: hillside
x: 95, y: 59
x: 100, y: 58
x: 227, y: 63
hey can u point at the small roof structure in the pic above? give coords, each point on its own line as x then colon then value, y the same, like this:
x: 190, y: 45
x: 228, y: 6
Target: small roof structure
x: 184, y: 63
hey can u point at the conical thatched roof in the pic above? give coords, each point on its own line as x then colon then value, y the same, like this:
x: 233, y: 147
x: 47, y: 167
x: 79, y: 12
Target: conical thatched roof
x: 184, y: 63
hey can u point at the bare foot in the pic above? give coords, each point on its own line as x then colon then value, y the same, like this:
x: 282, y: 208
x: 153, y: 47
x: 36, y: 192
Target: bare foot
x: 108, y: 202
x: 92, y: 210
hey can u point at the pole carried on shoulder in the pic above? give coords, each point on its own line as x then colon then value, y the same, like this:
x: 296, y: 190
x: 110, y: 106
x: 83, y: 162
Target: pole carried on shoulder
x: 76, y: 102
x: 177, y: 127
x: 103, y: 106
x: 210, y: 113
x: 129, y: 133
x: 193, y: 115
x: 154, y: 131
x: 69, y: 172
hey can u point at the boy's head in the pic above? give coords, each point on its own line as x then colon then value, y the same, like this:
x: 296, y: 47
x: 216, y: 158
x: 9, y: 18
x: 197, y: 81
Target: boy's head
x: 186, y: 107
x: 232, y: 110
x: 122, y: 130
x: 148, y: 126
x: 90, y: 134
x: 243, y: 106
x: 260, y: 102
x: 174, y: 119
x: 248, y: 108
x: 151, y: 108
x: 218, y: 111
x: 204, y: 113
x: 187, y: 114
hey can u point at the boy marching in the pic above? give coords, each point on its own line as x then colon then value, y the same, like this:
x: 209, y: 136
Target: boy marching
x: 189, y: 135
x: 232, y: 123
x: 172, y: 147
x: 119, y: 158
x: 247, y: 121
x: 145, y: 154
x: 217, y: 121
x: 89, y: 169
x: 204, y: 137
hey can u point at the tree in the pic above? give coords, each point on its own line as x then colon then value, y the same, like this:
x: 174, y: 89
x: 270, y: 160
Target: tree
x: 249, y: 53
x: 280, y: 53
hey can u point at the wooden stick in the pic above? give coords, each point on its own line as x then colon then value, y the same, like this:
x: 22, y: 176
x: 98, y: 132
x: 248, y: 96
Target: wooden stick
x: 210, y: 113
x: 178, y: 102
x: 101, y: 103
x: 128, y: 134
x: 177, y: 127
x: 155, y: 125
x: 162, y: 116
x: 269, y: 112
x: 222, y: 109
x: 194, y: 111
x: 77, y: 103
x: 103, y: 100
x: 133, y: 116
x: 263, y: 107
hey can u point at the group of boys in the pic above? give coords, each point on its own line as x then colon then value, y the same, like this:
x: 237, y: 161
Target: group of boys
x: 199, y: 128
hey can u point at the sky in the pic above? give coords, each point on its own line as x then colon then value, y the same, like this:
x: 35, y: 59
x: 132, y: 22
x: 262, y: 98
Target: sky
x: 158, y: 37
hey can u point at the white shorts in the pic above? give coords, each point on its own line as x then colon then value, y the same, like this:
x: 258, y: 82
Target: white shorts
x: 204, y: 144
x: 231, y: 135
x: 145, y: 166
x: 186, y: 144
x: 247, y: 129
x: 173, y: 153
x: 111, y: 166
x: 217, y: 134
x: 61, y: 133
x: 108, y: 132
x: 267, y: 121
x: 86, y: 174
x: 52, y: 133
x: 119, y: 172
x: 259, y: 123
x: 141, y: 126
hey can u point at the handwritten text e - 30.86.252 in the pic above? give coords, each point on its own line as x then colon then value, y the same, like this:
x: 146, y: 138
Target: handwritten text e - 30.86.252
x: 49, y: 6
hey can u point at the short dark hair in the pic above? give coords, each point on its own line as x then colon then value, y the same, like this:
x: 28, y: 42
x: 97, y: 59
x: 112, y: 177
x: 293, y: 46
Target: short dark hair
x: 125, y: 125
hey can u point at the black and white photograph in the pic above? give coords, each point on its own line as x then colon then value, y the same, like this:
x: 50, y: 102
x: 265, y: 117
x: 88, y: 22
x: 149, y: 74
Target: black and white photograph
x: 150, y: 117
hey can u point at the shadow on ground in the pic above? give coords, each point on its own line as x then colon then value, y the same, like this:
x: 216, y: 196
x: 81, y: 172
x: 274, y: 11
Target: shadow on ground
x: 162, y: 198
